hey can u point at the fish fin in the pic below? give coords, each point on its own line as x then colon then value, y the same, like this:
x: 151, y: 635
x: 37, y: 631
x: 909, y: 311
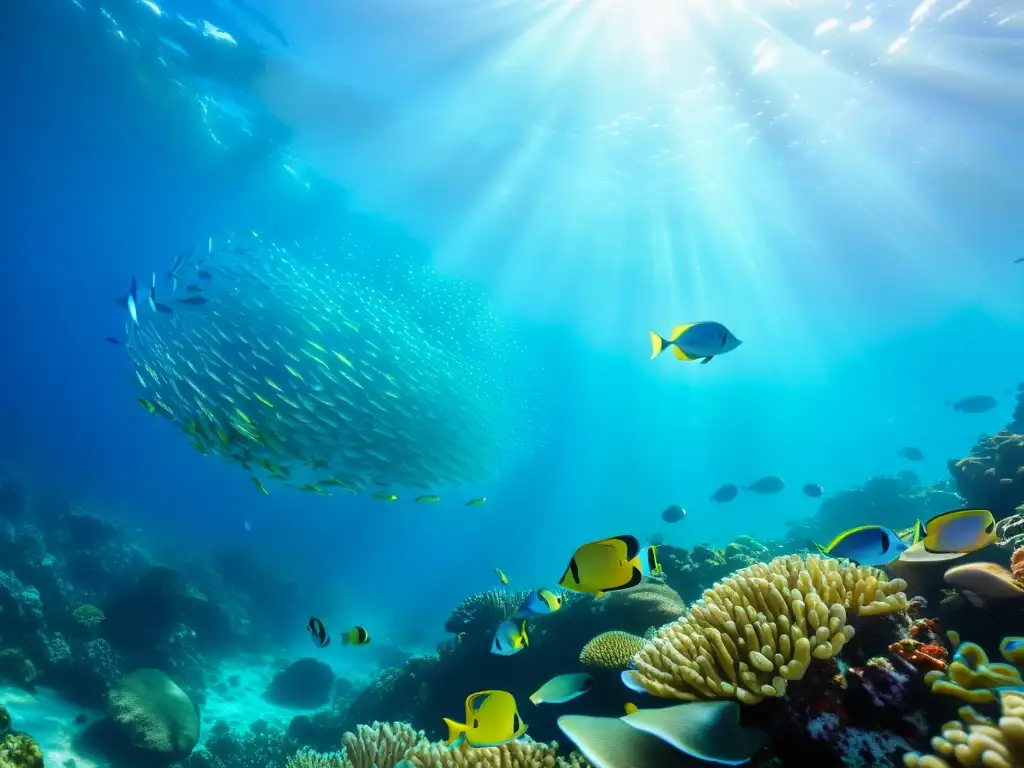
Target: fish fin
x: 522, y: 631
x: 680, y: 355
x: 822, y: 549
x: 534, y: 699
x: 635, y: 579
x: 631, y: 543
x: 658, y: 344
x: 456, y: 733
x: 918, y: 532
x: 679, y: 330
x: 706, y: 360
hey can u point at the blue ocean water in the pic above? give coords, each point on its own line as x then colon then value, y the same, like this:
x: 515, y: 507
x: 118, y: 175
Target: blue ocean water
x: 839, y: 183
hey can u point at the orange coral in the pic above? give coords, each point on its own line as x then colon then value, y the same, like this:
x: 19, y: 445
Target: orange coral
x: 1017, y: 564
x: 922, y: 656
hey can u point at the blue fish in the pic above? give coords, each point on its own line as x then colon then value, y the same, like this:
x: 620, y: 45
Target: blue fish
x: 540, y: 603
x: 695, y: 341
x: 510, y: 638
x: 866, y: 545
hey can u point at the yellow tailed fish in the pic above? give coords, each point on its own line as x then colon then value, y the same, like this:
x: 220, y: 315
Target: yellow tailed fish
x: 355, y: 636
x: 510, y: 638
x: 695, y: 341
x: 608, y: 565
x: 501, y: 576
x: 951, y: 535
x: 492, y: 719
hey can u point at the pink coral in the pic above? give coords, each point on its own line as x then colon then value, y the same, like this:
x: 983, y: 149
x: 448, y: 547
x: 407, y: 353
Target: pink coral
x: 1017, y: 564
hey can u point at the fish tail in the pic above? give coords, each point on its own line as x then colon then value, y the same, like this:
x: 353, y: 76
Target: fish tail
x: 917, y: 531
x: 456, y: 732
x: 821, y: 549
x: 658, y: 344
x: 534, y: 699
x: 522, y: 631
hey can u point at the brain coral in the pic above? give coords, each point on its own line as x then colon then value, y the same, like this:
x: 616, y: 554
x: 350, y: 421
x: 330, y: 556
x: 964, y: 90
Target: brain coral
x: 153, y: 713
x: 521, y: 753
x: 760, y: 628
x: 611, y: 650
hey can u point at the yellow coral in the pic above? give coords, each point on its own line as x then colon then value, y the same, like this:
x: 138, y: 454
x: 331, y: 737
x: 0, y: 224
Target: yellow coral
x: 19, y: 750
x: 760, y: 628
x: 380, y: 744
x: 972, y: 677
x: 988, y: 744
x: 307, y: 758
x: 611, y: 650
x: 521, y: 753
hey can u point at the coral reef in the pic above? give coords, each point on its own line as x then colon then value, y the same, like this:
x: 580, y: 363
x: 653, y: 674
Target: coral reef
x: 761, y: 627
x: 980, y: 741
x: 483, y: 611
x: 611, y: 650
x: 17, y: 750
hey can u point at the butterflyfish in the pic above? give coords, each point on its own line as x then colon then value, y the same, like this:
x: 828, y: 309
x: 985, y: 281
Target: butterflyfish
x: 608, y: 565
x: 492, y: 719
x: 510, y: 638
x: 540, y: 602
x: 318, y: 632
x: 866, y: 545
x: 952, y: 534
x: 696, y: 341
x: 355, y: 636
x: 501, y: 576
x: 563, y: 688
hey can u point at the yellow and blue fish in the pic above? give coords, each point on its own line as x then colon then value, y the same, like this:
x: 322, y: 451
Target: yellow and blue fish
x: 866, y: 545
x: 696, y: 341
x: 492, y: 719
x: 609, y: 565
x: 510, y: 638
x: 952, y: 534
x: 540, y: 603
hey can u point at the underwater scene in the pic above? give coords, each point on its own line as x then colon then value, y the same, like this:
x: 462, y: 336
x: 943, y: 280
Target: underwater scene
x: 512, y: 384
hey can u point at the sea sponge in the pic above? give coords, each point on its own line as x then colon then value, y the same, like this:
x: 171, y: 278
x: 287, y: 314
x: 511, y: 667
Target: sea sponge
x: 19, y: 750
x: 153, y: 713
x: 307, y: 758
x: 760, y: 628
x: 980, y: 743
x: 521, y: 753
x: 380, y: 744
x: 611, y: 650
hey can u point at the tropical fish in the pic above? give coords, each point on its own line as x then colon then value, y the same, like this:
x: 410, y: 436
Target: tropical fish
x: 428, y: 499
x: 813, y: 490
x: 866, y: 545
x: 725, y: 494
x: 501, y: 576
x: 608, y: 565
x: 385, y: 496
x: 133, y: 303
x: 696, y: 340
x: 262, y: 489
x: 355, y: 636
x: 563, y: 688
x: 957, y: 531
x: 768, y: 484
x: 317, y: 632
x: 974, y: 404
x: 148, y: 406
x: 510, y: 637
x: 673, y: 514
x: 152, y: 293
x: 910, y: 453
x: 492, y: 719
x: 540, y: 602
x: 476, y: 502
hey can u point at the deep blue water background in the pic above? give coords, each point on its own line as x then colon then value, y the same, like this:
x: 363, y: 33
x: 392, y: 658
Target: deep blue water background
x: 896, y: 294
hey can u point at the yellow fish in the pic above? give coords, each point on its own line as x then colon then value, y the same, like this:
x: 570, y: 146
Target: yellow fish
x: 492, y: 719
x: 501, y: 576
x: 355, y: 636
x: 608, y: 565
x: 385, y: 496
x: 476, y: 502
x: 952, y: 535
x: 428, y: 499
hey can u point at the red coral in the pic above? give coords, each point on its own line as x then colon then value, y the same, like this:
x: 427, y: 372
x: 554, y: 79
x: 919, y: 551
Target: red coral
x: 923, y: 657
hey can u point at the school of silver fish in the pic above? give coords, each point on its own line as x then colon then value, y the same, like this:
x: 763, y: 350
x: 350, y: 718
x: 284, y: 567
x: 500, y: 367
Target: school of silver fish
x: 278, y: 361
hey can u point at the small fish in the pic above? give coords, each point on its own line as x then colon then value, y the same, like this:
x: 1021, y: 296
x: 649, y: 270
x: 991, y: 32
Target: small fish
x: 148, y: 406
x: 958, y: 531
x: 974, y: 404
x: 563, y: 688
x: 310, y: 488
x: 428, y: 499
x: 476, y: 502
x: 609, y: 565
x: 163, y: 309
x: 910, y: 453
x: 694, y: 341
x: 501, y: 576
x: 318, y: 632
x: 813, y: 490
x: 204, y: 275
x: 356, y: 636
x: 194, y: 301
x: 193, y: 288
x: 725, y: 494
x: 866, y: 545
x: 385, y: 496
x: 492, y: 719
x: 631, y: 708
x: 152, y: 293
x: 540, y: 602
x: 258, y: 484
x: 673, y: 514
x: 132, y: 303
x: 1019, y: 261
x: 769, y: 484
x: 510, y: 638
x: 112, y: 340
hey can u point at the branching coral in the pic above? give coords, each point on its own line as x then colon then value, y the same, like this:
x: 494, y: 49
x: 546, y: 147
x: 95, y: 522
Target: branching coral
x: 760, y: 628
x: 307, y: 758
x: 611, y: 650
x: 380, y: 744
x: 521, y: 753
x: 88, y: 615
x: 982, y: 742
